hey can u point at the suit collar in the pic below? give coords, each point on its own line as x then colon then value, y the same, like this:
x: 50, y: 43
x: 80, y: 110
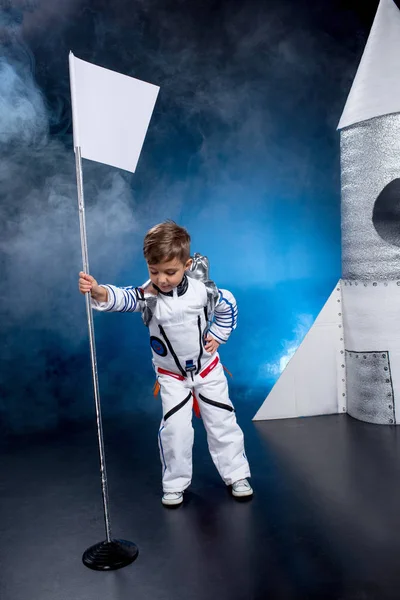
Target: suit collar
x: 181, y: 288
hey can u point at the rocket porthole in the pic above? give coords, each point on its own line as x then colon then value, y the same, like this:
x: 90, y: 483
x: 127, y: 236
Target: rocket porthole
x: 386, y: 213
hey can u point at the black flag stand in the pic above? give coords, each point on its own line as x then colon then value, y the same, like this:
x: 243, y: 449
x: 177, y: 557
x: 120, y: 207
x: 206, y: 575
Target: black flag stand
x: 109, y: 554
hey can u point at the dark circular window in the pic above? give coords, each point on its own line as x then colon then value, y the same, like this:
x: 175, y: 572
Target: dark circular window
x: 386, y: 213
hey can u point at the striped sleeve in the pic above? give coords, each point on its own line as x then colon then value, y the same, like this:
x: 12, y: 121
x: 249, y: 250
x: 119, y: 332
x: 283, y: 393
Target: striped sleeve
x: 225, y: 316
x: 120, y: 299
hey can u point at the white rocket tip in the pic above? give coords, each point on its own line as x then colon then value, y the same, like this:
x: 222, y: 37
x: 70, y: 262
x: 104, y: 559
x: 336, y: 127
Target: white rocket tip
x: 376, y: 87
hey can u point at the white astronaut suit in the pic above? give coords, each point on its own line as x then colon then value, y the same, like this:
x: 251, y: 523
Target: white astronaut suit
x: 178, y: 323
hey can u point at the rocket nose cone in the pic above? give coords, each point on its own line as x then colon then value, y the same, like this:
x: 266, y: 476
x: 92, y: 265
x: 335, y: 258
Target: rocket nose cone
x: 386, y: 213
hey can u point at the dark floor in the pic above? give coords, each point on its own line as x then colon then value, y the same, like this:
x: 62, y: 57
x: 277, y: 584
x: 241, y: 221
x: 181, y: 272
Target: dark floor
x: 324, y: 522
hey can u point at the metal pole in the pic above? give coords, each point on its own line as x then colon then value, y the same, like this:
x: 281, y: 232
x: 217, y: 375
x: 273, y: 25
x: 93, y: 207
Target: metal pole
x: 89, y: 313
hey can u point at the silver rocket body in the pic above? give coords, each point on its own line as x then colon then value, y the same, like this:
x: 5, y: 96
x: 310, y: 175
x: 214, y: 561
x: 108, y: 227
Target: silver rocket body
x: 370, y: 166
x: 349, y: 360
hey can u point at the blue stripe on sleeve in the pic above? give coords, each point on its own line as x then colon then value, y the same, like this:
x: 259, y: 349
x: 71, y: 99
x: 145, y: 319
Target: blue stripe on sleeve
x: 232, y: 308
x: 217, y: 336
x: 115, y: 298
x: 125, y: 300
x: 135, y: 299
x: 133, y: 294
x: 130, y: 300
x: 225, y: 317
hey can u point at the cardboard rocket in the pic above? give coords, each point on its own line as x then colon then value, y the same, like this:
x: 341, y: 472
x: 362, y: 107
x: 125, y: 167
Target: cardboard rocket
x: 350, y: 359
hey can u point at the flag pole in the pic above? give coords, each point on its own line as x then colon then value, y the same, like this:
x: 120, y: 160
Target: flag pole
x: 89, y: 314
x: 97, y: 94
x: 110, y: 554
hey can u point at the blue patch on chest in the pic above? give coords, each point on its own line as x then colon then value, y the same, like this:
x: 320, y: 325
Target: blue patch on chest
x: 158, y: 346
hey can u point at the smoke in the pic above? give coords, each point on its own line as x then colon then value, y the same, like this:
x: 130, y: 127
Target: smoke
x: 24, y: 119
x: 288, y: 348
x: 39, y: 232
x: 36, y: 16
x: 43, y: 332
x: 250, y: 93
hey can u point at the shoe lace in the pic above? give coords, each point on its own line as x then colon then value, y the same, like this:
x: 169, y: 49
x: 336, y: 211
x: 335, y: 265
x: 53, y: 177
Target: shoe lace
x: 241, y: 482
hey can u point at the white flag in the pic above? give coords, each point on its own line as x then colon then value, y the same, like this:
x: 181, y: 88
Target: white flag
x: 111, y: 113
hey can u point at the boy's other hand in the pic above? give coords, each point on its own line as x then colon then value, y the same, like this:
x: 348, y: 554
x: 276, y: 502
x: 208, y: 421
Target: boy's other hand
x: 211, y: 345
x: 87, y: 283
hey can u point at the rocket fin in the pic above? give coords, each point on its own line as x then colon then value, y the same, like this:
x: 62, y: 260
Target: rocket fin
x: 376, y: 87
x: 313, y: 382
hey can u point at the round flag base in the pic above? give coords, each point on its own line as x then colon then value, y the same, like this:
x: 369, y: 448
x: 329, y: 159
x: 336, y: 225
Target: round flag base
x: 109, y: 556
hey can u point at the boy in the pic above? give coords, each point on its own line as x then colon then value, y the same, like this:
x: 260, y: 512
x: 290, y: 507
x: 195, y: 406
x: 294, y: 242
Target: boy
x: 188, y: 318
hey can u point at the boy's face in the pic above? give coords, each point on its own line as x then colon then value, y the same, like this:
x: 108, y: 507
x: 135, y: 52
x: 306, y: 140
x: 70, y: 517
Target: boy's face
x: 167, y: 275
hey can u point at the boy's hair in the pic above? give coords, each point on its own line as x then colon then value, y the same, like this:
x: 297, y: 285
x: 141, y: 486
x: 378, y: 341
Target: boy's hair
x: 166, y: 241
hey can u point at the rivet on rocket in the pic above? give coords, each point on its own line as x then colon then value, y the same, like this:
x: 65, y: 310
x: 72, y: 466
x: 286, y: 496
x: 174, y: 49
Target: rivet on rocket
x: 350, y: 359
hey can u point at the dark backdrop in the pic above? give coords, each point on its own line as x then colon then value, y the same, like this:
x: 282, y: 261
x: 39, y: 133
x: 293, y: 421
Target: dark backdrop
x: 242, y: 149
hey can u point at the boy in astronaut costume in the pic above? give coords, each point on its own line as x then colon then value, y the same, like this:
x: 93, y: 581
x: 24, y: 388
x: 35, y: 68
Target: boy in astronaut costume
x: 188, y: 318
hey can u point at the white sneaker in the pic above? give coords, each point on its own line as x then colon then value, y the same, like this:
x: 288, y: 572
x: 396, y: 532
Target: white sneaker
x: 241, y: 488
x: 172, y: 498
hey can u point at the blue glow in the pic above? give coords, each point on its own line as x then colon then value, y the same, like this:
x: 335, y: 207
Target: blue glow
x: 242, y: 150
